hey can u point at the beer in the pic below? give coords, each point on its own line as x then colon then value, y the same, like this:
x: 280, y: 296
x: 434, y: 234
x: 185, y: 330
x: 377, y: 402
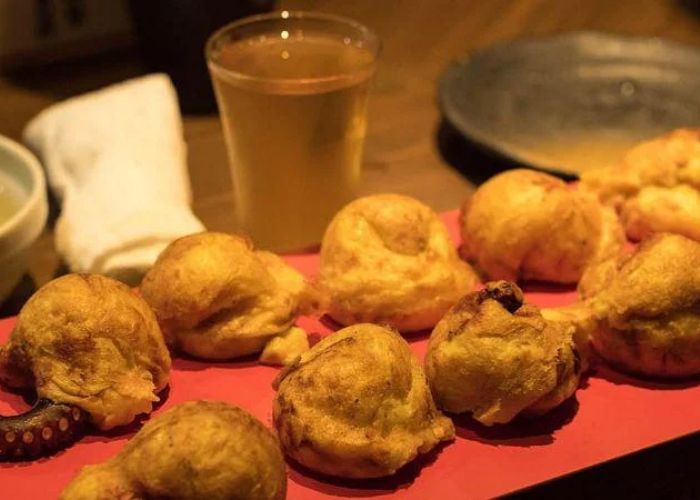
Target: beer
x: 292, y: 105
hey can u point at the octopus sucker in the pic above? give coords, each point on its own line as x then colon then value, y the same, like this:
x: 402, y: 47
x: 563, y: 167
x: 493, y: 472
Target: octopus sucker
x: 45, y: 429
x: 92, y: 352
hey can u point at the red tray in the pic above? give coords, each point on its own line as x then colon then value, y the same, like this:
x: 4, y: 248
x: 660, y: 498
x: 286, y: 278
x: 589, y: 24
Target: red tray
x: 612, y: 415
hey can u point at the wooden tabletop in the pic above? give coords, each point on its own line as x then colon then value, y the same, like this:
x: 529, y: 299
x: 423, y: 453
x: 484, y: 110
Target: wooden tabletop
x: 419, y: 39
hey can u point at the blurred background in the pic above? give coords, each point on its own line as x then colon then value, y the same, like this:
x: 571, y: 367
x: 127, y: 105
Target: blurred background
x: 53, y: 49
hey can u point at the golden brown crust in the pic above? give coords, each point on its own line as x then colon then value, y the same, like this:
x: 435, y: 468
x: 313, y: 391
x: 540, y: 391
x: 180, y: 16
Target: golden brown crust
x: 497, y: 358
x: 649, y: 311
x: 579, y: 316
x: 523, y: 224
x: 90, y: 341
x: 662, y: 209
x: 598, y: 276
x: 198, y: 449
x: 357, y: 405
x: 388, y: 259
x: 217, y: 298
x: 285, y: 348
x: 656, y: 187
x: 668, y: 160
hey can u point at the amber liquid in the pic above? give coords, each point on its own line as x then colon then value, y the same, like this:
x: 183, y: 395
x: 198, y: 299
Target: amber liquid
x: 294, y: 128
x: 582, y: 152
x: 9, y: 199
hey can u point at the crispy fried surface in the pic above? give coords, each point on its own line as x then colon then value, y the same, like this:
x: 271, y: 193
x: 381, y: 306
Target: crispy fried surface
x: 357, y: 405
x: 496, y: 358
x: 196, y: 450
x: 90, y: 341
x: 649, y: 309
x: 388, y: 259
x: 581, y: 318
x: 217, y: 298
x: 528, y: 225
x: 656, y: 188
x: 285, y: 348
x: 662, y: 209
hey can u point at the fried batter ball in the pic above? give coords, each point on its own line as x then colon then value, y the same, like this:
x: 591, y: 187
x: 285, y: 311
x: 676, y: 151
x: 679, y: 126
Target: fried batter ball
x: 388, y: 259
x: 357, y: 405
x: 580, y: 317
x: 195, y: 450
x: 656, y: 188
x: 496, y: 357
x: 89, y: 341
x: 217, y: 298
x: 527, y: 225
x: 648, y: 308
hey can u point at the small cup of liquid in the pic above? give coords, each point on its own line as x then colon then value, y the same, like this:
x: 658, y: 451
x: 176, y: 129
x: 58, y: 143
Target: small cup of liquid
x: 292, y: 91
x: 9, y: 199
x: 23, y: 210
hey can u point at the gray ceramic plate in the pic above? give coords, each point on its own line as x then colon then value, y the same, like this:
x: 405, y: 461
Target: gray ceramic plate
x: 572, y: 102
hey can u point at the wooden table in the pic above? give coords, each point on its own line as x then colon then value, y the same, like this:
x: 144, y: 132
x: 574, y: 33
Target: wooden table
x: 419, y: 39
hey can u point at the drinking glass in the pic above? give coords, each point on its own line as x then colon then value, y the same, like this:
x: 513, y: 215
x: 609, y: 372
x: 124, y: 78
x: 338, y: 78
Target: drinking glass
x: 292, y: 92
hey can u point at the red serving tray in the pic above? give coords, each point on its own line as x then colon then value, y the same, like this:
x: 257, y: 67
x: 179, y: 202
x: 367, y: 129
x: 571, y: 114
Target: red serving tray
x: 612, y: 415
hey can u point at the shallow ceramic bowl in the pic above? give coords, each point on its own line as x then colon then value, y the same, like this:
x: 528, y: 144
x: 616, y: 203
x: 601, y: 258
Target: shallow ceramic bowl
x: 21, y: 169
x: 572, y: 102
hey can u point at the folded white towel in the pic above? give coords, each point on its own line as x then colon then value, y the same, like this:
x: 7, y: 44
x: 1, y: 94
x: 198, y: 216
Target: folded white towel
x: 116, y: 160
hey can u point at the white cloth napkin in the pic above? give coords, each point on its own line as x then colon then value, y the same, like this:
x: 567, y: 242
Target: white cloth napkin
x: 116, y: 160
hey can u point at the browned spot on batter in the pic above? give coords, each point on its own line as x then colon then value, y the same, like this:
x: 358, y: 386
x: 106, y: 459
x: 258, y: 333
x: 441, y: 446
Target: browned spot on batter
x: 76, y: 414
x: 561, y: 366
x: 46, y: 433
x: 10, y: 437
x: 631, y: 340
x: 85, y: 277
x: 508, y: 294
x: 69, y: 351
x: 468, y: 303
x: 28, y: 437
x: 577, y: 360
x: 63, y: 424
x: 286, y: 371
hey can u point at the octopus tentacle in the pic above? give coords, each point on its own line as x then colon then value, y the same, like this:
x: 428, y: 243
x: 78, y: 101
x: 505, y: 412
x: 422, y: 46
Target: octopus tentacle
x: 45, y: 429
x: 508, y: 294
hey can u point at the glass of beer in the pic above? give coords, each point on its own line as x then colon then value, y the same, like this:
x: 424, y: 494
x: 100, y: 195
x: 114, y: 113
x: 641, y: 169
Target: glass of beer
x: 292, y: 93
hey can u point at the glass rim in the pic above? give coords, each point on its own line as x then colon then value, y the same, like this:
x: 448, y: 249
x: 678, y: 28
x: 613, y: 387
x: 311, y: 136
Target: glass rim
x: 290, y: 15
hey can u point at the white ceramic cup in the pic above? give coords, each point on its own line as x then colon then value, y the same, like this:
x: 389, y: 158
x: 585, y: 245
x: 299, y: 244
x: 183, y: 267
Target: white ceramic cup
x: 19, y: 232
